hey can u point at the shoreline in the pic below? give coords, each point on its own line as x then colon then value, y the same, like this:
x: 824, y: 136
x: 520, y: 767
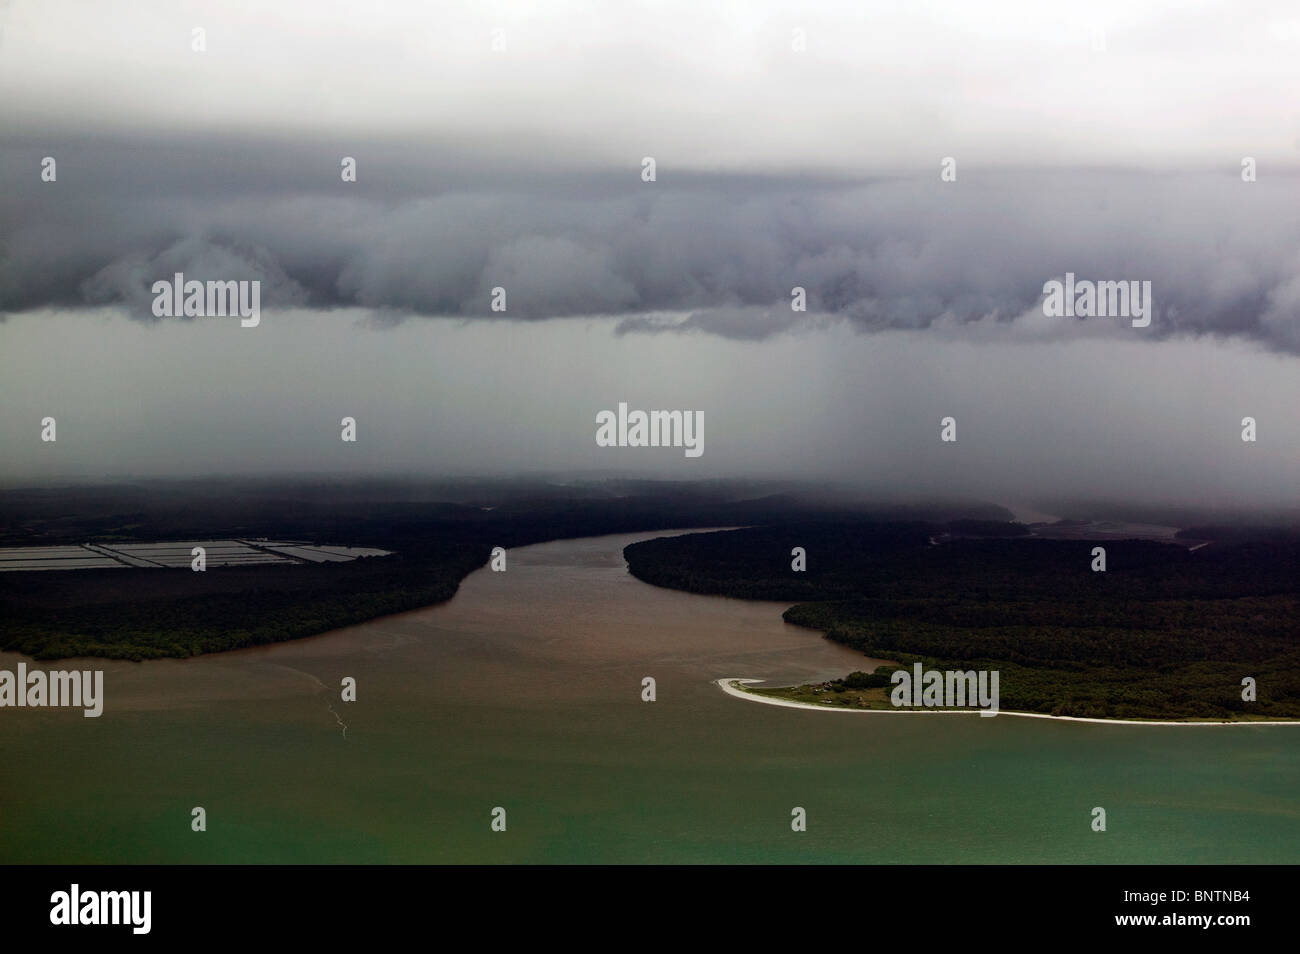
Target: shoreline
x: 731, y: 685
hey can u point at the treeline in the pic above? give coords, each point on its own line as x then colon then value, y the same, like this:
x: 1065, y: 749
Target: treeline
x: 1163, y: 633
x: 897, y: 560
x: 175, y: 612
x: 1238, y: 534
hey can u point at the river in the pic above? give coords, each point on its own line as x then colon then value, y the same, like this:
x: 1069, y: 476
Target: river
x: 524, y: 692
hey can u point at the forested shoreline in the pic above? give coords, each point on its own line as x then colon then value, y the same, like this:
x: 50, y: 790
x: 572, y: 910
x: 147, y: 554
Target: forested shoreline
x: 1162, y: 633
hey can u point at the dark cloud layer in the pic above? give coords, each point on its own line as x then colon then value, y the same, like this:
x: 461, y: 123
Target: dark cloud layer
x: 418, y: 236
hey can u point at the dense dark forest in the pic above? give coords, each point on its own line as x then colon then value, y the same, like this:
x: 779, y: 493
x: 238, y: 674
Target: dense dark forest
x: 1164, y: 632
x: 440, y: 531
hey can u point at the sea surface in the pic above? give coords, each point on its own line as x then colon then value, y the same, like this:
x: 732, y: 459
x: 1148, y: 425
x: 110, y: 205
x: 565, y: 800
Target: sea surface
x: 524, y: 692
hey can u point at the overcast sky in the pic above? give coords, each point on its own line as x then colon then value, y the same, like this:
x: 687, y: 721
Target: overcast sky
x: 795, y: 145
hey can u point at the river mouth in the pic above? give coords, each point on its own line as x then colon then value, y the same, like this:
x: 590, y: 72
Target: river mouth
x: 526, y: 691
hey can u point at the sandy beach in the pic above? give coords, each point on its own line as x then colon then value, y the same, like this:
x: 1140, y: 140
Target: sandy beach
x: 731, y: 684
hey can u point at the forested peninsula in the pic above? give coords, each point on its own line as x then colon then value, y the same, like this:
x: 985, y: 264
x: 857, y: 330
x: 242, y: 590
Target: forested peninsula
x: 1163, y: 633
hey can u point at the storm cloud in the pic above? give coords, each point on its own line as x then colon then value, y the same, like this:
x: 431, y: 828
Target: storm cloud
x: 501, y: 145
x: 710, y: 253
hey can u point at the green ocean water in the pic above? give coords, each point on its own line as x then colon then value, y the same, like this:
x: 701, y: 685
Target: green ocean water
x: 524, y: 692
